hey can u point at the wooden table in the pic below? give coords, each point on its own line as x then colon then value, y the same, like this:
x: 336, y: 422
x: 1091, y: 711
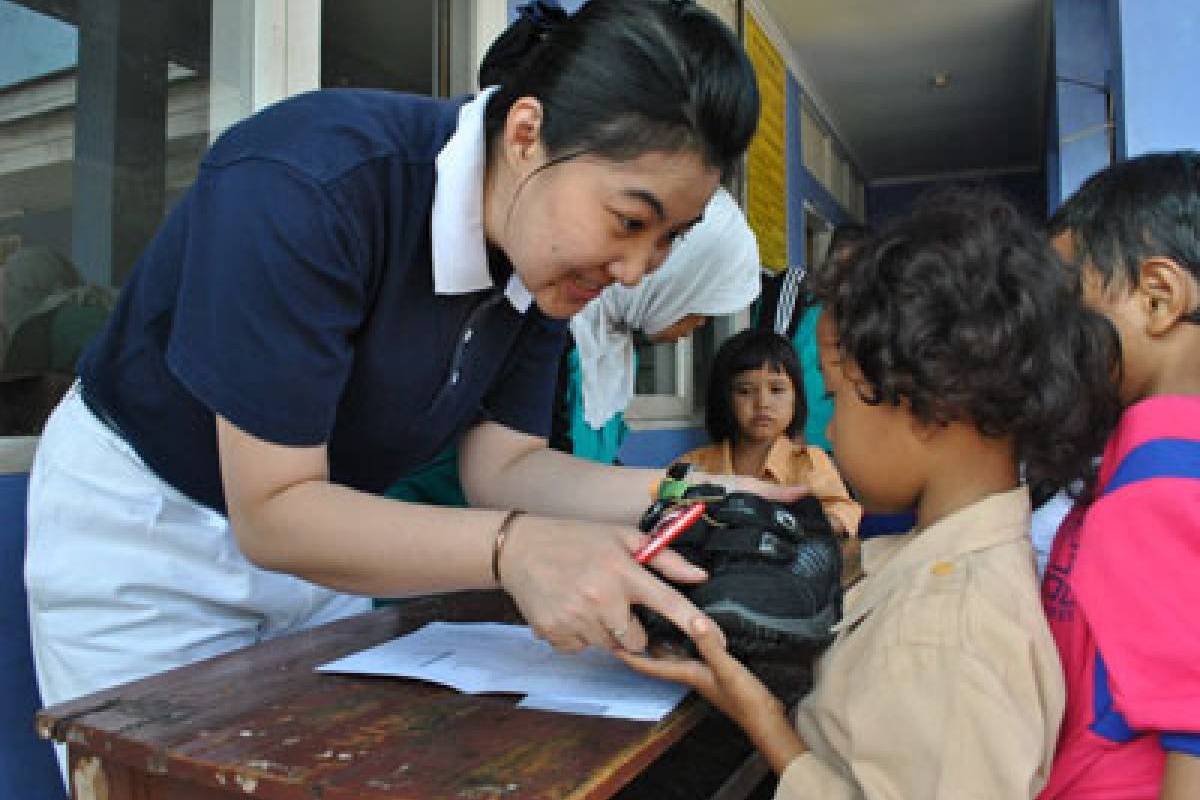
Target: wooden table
x: 259, y: 722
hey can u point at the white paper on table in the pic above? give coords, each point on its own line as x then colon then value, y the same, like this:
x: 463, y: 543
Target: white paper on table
x: 490, y: 657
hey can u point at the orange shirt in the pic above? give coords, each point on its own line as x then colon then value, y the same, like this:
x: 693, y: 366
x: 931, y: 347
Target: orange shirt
x: 789, y: 464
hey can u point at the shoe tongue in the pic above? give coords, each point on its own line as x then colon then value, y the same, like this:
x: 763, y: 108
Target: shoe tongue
x: 742, y: 510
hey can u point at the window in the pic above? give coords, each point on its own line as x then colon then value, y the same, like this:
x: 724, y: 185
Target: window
x: 671, y: 378
x: 812, y: 140
x: 105, y: 111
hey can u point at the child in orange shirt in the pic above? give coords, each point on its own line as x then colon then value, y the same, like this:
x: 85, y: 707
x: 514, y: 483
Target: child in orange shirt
x: 755, y: 414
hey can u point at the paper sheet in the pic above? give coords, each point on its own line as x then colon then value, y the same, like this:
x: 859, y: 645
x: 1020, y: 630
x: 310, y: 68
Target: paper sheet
x: 489, y: 657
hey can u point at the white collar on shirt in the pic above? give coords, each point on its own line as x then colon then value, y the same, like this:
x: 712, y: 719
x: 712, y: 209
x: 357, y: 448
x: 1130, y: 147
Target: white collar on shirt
x: 460, y: 263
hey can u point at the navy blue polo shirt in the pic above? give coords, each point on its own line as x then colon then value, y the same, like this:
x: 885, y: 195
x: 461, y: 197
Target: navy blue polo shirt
x: 291, y: 292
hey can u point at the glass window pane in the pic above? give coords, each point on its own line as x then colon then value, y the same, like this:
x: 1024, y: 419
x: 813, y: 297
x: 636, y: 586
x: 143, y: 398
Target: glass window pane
x: 105, y: 111
x: 656, y: 372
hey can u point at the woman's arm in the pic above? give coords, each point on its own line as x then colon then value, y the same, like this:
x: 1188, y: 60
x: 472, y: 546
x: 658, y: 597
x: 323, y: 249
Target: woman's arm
x: 287, y: 516
x: 503, y: 468
x: 573, y: 581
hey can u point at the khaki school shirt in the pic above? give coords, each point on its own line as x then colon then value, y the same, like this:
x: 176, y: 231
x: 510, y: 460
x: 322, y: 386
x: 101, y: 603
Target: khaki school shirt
x: 789, y: 464
x: 943, y: 682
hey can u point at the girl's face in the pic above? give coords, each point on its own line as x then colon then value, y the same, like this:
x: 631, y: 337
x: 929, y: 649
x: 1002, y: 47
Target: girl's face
x: 579, y: 226
x: 764, y: 401
x: 873, y: 445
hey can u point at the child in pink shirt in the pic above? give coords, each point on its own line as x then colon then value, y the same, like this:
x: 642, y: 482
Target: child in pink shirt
x: 1123, y: 581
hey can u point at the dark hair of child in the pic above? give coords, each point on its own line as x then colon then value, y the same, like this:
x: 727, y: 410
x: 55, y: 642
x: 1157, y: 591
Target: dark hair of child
x: 748, y: 350
x: 1133, y: 210
x: 842, y: 241
x: 847, y: 235
x: 620, y: 78
x: 961, y: 312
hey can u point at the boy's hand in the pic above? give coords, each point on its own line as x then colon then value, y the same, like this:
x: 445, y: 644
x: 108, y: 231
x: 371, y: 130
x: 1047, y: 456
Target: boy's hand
x: 729, y: 686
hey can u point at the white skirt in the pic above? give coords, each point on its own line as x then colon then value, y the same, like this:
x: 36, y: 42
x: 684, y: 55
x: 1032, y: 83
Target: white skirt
x: 128, y: 577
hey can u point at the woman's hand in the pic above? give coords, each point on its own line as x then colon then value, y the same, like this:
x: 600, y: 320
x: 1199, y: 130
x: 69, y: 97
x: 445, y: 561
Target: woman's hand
x: 574, y: 582
x: 727, y: 684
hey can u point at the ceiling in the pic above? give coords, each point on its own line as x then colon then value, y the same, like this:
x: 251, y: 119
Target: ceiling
x: 869, y: 66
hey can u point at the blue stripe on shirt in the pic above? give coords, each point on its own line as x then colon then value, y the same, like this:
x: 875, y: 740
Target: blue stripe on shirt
x: 1107, y: 721
x: 1188, y: 743
x: 1160, y: 458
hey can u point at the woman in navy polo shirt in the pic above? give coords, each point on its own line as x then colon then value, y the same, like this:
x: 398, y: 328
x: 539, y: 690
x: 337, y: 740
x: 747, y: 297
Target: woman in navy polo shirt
x: 355, y: 279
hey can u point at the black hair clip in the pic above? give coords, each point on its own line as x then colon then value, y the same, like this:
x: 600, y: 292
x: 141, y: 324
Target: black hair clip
x: 544, y: 14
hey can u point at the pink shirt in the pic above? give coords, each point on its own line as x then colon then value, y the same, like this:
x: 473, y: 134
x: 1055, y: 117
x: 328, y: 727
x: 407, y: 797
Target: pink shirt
x: 1121, y: 593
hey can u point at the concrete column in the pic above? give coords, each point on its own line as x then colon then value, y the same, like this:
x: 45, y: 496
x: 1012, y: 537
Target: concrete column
x: 120, y: 135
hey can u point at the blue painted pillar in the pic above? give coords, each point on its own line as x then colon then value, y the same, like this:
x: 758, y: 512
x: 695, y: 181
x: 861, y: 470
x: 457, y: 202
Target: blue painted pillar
x: 795, y: 169
x: 1158, y: 42
x: 1080, y: 142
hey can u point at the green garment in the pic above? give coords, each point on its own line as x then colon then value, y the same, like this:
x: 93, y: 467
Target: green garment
x: 53, y: 333
x: 820, y: 408
x: 436, y: 482
x: 587, y: 442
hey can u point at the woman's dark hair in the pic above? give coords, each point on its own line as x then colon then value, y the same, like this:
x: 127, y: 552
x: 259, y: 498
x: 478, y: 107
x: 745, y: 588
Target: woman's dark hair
x: 744, y: 351
x: 620, y: 78
x: 1134, y: 210
x: 961, y: 311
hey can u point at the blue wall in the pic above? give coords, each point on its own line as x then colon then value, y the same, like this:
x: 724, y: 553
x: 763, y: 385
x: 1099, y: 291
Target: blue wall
x: 1026, y: 189
x: 802, y: 185
x: 1156, y: 75
x: 659, y: 447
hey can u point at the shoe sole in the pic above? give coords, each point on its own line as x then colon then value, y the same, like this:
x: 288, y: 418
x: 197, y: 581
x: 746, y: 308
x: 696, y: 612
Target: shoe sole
x: 749, y: 627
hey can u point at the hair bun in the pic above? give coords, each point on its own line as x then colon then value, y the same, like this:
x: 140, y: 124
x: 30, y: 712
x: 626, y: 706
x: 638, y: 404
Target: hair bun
x: 535, y: 21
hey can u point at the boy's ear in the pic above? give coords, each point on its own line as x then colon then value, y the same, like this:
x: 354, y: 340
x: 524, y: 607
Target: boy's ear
x: 522, y: 134
x: 1168, y: 291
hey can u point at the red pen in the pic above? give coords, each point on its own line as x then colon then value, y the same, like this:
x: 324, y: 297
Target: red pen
x: 673, y: 523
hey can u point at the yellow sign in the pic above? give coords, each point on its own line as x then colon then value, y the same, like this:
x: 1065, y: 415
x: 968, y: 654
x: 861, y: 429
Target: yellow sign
x: 766, y: 160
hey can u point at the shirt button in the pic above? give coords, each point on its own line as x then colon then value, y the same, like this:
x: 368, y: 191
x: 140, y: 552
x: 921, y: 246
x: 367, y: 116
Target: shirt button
x: 467, y: 335
x: 942, y: 568
x: 454, y: 378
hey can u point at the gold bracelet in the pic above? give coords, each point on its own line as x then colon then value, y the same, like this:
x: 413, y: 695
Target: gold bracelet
x: 501, y: 537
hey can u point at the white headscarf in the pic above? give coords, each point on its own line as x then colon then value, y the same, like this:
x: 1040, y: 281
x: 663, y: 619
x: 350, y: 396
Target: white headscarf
x: 713, y: 270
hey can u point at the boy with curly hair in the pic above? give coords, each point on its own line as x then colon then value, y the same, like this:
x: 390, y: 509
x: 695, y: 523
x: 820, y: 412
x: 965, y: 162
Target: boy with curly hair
x: 1121, y: 587
x: 955, y: 349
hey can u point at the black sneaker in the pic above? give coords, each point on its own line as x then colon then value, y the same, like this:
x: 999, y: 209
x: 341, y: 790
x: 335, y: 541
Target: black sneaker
x: 774, y: 569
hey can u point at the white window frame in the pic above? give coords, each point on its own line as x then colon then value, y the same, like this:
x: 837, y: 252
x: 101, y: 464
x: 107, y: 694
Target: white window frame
x: 663, y: 410
x: 262, y: 51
